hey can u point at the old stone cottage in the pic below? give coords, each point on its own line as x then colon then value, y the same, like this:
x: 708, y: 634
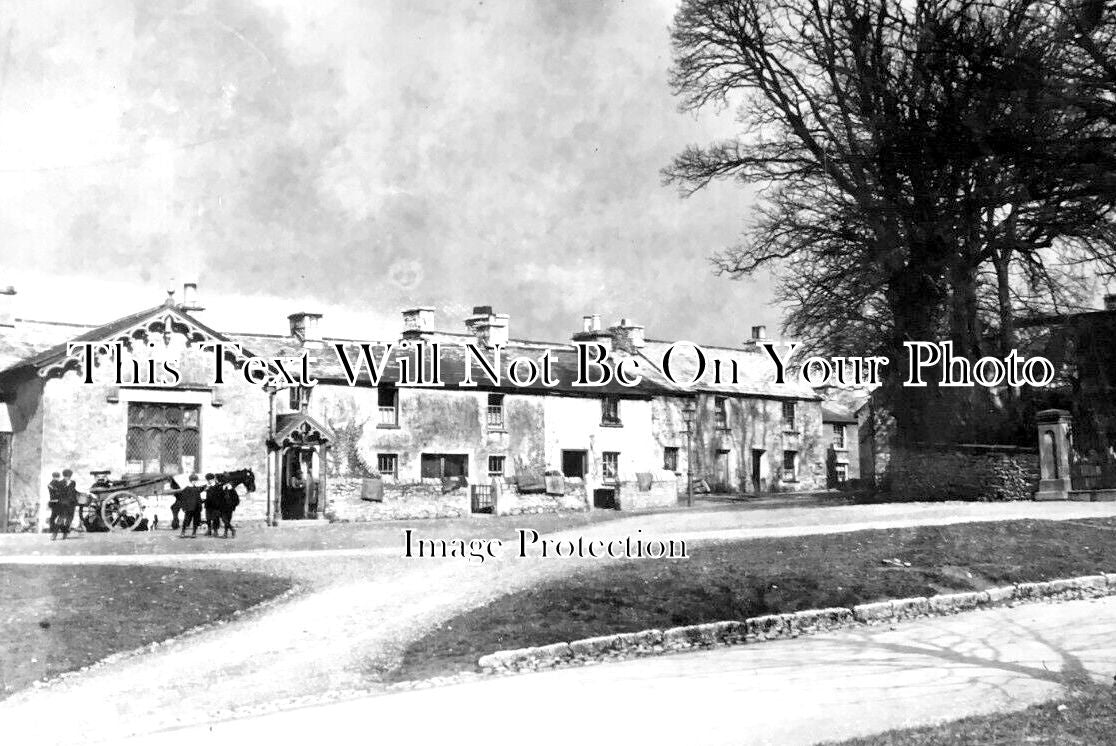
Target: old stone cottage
x: 360, y: 452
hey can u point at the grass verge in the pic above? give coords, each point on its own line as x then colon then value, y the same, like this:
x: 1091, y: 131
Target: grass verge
x: 1087, y: 718
x: 736, y: 580
x: 55, y: 619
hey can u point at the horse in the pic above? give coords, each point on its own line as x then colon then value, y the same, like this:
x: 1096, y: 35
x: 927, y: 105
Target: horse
x: 230, y: 480
x: 245, y: 477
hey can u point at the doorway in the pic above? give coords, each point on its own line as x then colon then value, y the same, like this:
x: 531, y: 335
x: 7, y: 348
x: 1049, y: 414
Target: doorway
x: 757, y: 475
x: 722, y: 473
x: 575, y: 463
x: 299, y: 495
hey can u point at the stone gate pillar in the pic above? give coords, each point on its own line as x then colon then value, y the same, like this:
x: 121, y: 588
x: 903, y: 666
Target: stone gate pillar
x: 1054, y: 454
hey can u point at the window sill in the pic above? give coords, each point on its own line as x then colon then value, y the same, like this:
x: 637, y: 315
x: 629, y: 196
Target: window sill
x: 612, y: 424
x: 382, y: 426
x: 791, y: 432
x: 497, y: 429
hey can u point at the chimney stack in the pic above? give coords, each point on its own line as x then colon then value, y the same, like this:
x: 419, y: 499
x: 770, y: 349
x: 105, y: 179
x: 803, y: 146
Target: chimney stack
x: 759, y: 333
x: 1110, y: 302
x: 627, y: 336
x: 490, y: 328
x: 7, y: 306
x: 304, y: 328
x: 190, y: 297
x: 591, y: 331
x: 418, y: 321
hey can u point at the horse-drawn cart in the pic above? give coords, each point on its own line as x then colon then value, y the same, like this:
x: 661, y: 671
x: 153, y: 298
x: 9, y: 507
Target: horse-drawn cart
x: 141, y: 503
x: 128, y: 504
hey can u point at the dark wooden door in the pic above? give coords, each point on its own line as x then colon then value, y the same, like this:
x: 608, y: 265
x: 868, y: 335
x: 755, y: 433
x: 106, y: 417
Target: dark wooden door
x: 575, y: 463
x: 757, y: 461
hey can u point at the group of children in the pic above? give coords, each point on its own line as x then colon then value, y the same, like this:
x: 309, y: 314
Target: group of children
x: 62, y: 499
x: 219, y: 500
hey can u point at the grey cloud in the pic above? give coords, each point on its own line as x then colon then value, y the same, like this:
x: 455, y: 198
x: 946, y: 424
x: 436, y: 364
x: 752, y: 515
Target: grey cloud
x: 410, y: 152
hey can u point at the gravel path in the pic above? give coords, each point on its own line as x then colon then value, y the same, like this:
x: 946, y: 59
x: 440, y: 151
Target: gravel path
x: 364, y: 611
x: 782, y: 693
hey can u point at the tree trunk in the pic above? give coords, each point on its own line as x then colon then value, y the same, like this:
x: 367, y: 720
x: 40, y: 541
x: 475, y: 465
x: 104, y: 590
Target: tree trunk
x: 1002, y: 263
x: 915, y: 300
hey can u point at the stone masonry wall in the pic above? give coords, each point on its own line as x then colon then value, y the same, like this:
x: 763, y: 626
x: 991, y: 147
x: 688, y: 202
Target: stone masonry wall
x: 663, y: 493
x: 515, y: 503
x: 402, y: 500
x: 425, y: 499
x: 960, y: 472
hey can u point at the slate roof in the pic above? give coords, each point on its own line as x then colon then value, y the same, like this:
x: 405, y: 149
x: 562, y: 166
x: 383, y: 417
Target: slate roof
x: 28, y: 339
x: 455, y: 357
x: 836, y: 413
x: 59, y: 349
x: 841, y: 403
x: 755, y: 371
x: 33, y: 344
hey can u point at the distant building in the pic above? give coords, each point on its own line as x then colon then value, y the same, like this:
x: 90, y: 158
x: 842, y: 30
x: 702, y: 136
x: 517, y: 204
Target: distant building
x: 394, y: 451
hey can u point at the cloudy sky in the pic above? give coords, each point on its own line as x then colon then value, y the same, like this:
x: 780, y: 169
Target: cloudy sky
x: 356, y: 158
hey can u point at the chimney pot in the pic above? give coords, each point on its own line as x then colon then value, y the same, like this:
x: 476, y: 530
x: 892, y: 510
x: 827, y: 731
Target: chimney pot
x: 591, y: 331
x: 190, y: 297
x: 759, y: 332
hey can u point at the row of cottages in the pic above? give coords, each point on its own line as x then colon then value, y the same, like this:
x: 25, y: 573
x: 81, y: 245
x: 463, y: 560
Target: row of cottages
x: 364, y: 452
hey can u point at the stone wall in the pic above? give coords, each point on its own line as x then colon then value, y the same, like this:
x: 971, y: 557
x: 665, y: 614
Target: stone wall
x: 784, y: 626
x: 663, y: 493
x: 962, y: 472
x: 512, y: 502
x: 426, y: 499
x: 401, y: 500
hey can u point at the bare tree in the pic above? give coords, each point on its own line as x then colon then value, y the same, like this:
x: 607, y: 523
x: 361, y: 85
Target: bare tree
x: 905, y: 147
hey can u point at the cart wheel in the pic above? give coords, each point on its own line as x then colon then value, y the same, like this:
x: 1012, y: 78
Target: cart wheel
x: 122, y: 511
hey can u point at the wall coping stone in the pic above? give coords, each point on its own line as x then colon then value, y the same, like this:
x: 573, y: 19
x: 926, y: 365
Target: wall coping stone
x: 785, y: 626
